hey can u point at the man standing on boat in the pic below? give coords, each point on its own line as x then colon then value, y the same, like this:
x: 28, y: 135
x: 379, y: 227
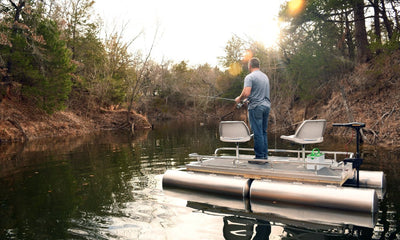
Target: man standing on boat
x: 256, y: 89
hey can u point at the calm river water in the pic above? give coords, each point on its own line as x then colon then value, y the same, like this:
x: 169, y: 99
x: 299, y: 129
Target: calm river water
x: 108, y: 186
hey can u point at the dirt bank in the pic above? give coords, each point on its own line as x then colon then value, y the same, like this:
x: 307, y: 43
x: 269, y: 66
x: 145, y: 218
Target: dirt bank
x: 20, y: 121
x: 371, y: 94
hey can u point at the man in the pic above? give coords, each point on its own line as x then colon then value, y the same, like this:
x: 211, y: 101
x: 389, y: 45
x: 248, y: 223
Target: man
x: 256, y: 89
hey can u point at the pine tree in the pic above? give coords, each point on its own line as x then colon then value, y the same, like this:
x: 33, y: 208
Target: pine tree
x: 35, y: 56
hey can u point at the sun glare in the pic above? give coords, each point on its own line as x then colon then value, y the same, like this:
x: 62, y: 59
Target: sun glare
x: 272, y: 34
x: 267, y: 29
x: 295, y: 7
x: 235, y: 69
x: 247, y: 55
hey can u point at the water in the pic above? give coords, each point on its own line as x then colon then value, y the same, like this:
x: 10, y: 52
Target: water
x: 108, y: 186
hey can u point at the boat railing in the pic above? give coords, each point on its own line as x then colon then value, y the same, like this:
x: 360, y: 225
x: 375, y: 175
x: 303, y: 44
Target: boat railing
x: 279, y: 163
x: 299, y: 152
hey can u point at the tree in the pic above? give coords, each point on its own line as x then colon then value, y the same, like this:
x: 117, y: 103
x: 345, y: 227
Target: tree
x: 234, y: 52
x: 387, y: 37
x: 202, y: 84
x: 10, y: 17
x: 363, y: 52
x: 377, y: 26
x: 140, y: 76
x: 231, y: 82
x: 75, y: 18
x: 56, y: 68
x: 113, y: 81
x: 323, y: 41
x: 36, y: 57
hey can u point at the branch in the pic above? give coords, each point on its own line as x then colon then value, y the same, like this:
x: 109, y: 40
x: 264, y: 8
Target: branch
x: 387, y: 114
x: 142, y: 70
x: 375, y: 135
x: 13, y: 4
x: 18, y: 126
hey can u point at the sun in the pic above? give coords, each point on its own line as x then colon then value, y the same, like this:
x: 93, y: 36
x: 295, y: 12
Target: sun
x: 272, y: 34
x: 266, y: 29
x: 268, y: 34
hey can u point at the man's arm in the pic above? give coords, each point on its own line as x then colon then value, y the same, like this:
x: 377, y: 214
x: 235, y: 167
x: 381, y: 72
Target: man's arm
x: 245, y: 93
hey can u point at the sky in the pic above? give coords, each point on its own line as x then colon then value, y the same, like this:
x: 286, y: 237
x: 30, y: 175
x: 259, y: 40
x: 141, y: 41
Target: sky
x: 192, y: 31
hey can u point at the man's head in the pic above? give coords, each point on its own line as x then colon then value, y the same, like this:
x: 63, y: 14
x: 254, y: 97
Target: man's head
x: 254, y: 63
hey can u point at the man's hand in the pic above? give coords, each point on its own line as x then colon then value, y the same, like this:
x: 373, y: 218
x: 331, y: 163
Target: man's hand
x: 237, y: 99
x: 245, y: 93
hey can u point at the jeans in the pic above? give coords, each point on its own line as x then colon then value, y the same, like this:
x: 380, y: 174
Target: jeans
x: 259, y: 123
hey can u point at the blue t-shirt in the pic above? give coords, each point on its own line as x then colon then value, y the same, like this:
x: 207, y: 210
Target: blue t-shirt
x: 259, y: 83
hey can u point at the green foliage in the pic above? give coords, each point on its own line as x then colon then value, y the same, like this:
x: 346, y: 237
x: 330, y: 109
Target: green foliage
x: 314, y: 46
x: 393, y: 44
x: 311, y: 67
x: 22, y: 66
x: 234, y: 52
x: 37, y: 58
x: 53, y: 83
x: 230, y: 86
x: 91, y: 55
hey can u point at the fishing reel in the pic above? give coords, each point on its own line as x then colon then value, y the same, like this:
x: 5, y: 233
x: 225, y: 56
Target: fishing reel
x: 243, y: 102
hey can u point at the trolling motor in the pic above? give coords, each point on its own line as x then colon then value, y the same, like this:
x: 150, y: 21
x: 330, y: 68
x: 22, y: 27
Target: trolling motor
x: 357, y: 161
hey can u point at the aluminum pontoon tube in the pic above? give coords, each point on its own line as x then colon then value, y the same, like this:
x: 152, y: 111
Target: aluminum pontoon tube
x: 345, y: 198
x: 220, y: 184
x: 372, y: 179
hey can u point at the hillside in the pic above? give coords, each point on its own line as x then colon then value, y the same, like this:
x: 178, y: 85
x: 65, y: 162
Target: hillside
x: 370, y: 94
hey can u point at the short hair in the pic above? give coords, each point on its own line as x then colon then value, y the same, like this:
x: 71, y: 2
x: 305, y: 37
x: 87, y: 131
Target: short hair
x: 254, y: 62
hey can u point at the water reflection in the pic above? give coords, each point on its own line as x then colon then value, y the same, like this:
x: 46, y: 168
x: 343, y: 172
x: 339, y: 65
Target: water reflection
x: 237, y: 228
x: 107, y: 186
x: 242, y: 218
x: 67, y: 187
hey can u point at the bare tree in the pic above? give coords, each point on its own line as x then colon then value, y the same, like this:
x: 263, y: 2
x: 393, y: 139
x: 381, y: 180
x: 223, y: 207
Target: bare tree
x: 138, y: 79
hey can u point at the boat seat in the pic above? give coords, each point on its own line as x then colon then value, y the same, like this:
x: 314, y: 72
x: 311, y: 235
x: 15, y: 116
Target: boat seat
x: 234, y: 131
x: 309, y: 132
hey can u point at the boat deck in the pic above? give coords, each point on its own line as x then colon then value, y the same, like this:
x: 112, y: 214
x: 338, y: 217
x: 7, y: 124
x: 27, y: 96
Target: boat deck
x: 282, y: 168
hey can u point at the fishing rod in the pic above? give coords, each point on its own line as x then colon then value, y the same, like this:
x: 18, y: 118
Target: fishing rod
x: 215, y: 97
x: 239, y: 105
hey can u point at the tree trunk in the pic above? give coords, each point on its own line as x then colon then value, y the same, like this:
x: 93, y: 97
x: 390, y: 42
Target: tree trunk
x: 396, y: 17
x: 386, y: 21
x: 363, y: 53
x: 377, y: 27
x: 349, y: 39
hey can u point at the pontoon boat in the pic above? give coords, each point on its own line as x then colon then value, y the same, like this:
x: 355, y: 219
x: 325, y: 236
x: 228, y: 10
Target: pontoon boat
x: 325, y: 179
